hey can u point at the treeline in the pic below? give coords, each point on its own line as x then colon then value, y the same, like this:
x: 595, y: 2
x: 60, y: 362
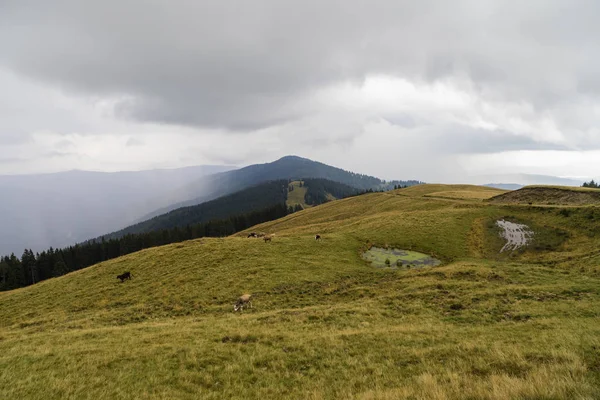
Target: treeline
x: 390, y: 185
x: 317, y: 191
x: 32, y: 268
x: 591, y: 184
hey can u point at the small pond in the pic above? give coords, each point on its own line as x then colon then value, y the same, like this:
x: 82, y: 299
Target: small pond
x: 398, y: 258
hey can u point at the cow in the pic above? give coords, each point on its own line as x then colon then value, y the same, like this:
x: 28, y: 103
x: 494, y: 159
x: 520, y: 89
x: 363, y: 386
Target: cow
x: 268, y: 238
x: 317, y: 237
x: 125, y: 275
x: 253, y: 234
x: 242, y: 301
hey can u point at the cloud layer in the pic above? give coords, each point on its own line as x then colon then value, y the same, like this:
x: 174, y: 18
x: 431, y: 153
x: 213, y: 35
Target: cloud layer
x: 249, y: 80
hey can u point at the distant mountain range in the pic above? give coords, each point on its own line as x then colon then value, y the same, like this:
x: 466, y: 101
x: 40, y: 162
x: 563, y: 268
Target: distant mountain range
x: 44, y: 210
x: 504, y: 186
x: 59, y: 209
x: 517, y: 181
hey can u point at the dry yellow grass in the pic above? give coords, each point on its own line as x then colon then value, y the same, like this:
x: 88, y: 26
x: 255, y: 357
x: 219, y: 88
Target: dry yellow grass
x: 467, y: 194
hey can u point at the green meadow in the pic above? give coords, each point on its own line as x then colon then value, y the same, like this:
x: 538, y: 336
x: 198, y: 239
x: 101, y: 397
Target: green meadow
x: 325, y: 323
x: 296, y: 196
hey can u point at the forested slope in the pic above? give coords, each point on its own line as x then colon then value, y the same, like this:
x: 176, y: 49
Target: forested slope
x: 246, y: 200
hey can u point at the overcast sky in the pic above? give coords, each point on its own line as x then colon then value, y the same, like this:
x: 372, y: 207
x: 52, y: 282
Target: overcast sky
x: 432, y: 90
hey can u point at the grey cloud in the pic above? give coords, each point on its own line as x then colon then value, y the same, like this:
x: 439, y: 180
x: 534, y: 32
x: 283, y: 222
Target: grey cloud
x: 459, y: 139
x: 246, y: 65
x: 13, y: 137
x: 64, y: 144
x: 11, y: 160
x: 403, y: 120
x: 134, y: 142
x: 46, y: 154
x: 57, y: 154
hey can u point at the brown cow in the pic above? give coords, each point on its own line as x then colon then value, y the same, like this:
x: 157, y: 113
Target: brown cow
x: 243, y: 301
x: 268, y: 238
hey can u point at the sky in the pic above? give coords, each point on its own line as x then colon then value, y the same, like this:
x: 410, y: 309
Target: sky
x: 433, y: 90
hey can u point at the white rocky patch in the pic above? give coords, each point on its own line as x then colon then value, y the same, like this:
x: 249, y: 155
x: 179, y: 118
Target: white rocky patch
x: 516, y: 235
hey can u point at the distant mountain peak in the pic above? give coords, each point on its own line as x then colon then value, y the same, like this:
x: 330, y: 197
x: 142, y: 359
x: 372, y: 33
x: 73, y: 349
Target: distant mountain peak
x: 295, y: 158
x: 288, y: 167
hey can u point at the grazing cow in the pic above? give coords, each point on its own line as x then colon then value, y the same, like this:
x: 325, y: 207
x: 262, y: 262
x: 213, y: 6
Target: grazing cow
x: 243, y: 301
x: 125, y: 275
x: 253, y: 234
x: 268, y: 238
x: 260, y: 235
x: 317, y: 237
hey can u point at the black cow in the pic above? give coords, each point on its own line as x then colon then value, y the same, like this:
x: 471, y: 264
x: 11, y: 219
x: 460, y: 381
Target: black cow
x: 125, y: 275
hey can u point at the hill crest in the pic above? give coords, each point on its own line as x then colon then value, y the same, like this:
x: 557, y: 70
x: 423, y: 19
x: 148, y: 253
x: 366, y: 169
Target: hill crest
x: 550, y: 195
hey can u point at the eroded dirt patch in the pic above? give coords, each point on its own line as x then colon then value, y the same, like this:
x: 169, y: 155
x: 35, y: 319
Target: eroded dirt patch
x: 516, y: 235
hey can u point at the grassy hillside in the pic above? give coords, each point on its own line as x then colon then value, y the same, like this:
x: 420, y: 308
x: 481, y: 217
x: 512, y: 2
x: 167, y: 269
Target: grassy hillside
x: 296, y: 195
x: 325, y: 323
x: 550, y: 195
x: 467, y: 193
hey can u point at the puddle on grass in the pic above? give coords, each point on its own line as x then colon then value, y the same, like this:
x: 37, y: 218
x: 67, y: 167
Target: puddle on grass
x: 398, y: 258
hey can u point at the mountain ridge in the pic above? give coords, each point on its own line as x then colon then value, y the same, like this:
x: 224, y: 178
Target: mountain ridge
x: 287, y: 167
